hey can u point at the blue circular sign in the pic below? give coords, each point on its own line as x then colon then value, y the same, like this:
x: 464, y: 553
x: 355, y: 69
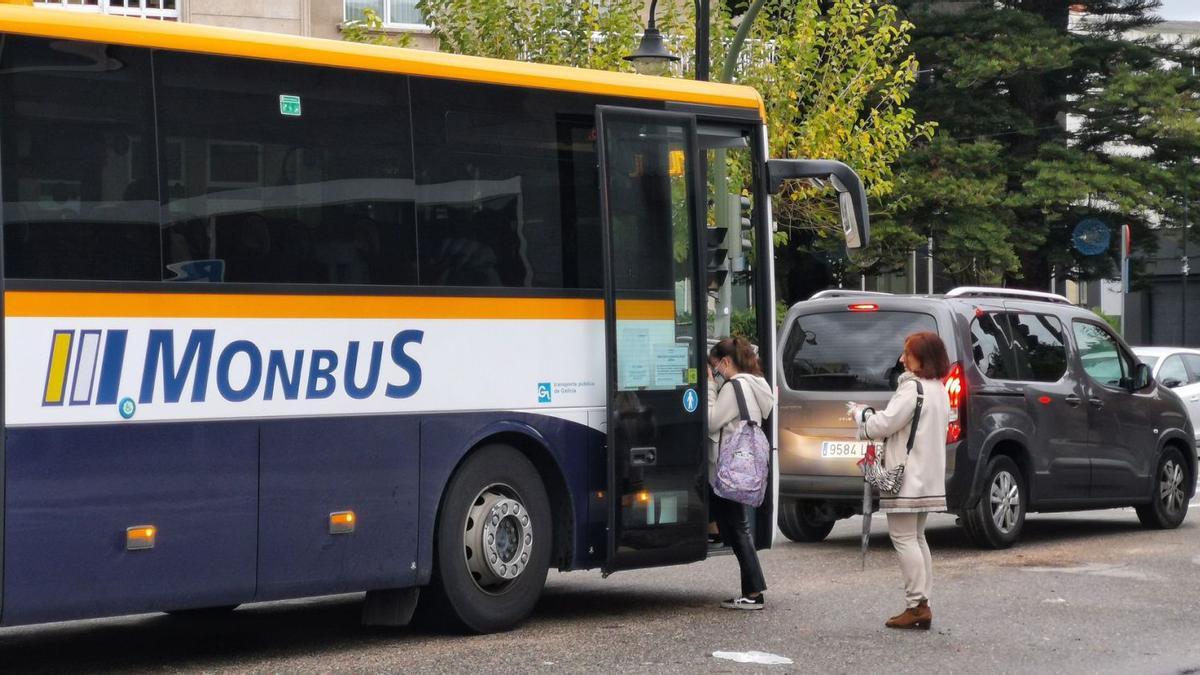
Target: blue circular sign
x: 1091, y: 236
x: 127, y: 407
x: 691, y: 400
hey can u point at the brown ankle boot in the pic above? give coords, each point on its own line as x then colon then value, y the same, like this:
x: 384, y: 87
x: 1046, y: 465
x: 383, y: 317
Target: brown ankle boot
x: 914, y: 617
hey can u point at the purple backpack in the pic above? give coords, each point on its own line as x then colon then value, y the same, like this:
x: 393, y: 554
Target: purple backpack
x: 742, y: 459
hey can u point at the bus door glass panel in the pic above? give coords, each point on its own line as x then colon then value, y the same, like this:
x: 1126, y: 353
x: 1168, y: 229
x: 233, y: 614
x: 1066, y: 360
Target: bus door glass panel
x: 732, y: 278
x: 656, y: 434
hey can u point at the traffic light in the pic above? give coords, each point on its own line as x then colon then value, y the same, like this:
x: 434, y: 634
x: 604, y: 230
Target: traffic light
x: 718, y: 254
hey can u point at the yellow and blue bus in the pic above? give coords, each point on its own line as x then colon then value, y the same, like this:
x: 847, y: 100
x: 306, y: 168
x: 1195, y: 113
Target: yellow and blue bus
x: 288, y: 317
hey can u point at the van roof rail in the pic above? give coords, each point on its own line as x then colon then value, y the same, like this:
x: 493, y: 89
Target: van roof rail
x: 845, y: 293
x: 1012, y: 293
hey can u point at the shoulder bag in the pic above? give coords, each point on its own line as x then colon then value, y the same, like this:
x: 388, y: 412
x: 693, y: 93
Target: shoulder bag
x: 885, y: 480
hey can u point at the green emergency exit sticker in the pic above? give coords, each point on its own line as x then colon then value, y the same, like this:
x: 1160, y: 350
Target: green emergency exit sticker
x: 289, y: 106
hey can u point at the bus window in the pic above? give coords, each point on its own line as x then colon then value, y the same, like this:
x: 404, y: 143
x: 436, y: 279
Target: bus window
x: 80, y: 197
x: 282, y: 173
x: 506, y: 186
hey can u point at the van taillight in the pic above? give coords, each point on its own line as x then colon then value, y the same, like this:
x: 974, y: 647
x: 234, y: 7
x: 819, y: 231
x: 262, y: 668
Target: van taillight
x: 956, y: 387
x: 864, y: 307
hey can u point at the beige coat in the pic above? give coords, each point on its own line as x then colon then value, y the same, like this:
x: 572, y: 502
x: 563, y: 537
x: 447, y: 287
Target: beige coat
x: 723, y: 415
x: 924, y: 485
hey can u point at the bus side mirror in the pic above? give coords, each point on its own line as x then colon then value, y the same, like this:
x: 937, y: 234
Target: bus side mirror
x: 852, y: 197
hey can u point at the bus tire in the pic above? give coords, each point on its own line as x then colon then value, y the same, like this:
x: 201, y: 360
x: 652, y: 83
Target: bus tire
x: 492, y: 545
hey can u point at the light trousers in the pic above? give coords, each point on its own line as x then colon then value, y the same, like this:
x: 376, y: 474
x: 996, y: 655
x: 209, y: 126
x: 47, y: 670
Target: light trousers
x: 907, y: 531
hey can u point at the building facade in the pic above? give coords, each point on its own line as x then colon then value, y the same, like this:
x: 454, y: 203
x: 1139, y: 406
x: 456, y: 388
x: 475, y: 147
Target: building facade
x: 311, y: 18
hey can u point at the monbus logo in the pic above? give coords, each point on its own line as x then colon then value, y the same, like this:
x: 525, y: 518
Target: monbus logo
x: 86, y: 368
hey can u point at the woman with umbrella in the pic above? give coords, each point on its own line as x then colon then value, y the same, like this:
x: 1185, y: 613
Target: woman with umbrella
x: 923, y: 485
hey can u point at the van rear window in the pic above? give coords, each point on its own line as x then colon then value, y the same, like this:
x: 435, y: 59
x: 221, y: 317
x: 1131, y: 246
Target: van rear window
x: 849, y: 351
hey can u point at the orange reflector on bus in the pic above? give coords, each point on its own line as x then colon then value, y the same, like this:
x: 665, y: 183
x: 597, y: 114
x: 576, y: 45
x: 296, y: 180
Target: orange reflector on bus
x: 140, y: 537
x: 342, y: 522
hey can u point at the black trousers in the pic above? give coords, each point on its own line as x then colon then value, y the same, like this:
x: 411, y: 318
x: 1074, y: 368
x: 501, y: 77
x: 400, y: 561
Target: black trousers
x: 733, y: 520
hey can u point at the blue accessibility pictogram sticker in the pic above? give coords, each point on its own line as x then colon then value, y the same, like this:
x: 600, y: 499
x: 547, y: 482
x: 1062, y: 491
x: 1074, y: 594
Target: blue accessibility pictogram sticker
x: 544, y: 392
x: 691, y: 400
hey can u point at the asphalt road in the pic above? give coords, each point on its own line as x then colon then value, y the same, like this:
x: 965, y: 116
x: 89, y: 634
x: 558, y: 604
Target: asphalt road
x: 1083, y: 593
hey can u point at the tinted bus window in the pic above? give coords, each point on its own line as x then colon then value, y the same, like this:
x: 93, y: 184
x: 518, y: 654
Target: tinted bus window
x: 80, y: 197
x: 1043, y: 355
x: 507, y: 186
x: 991, y: 346
x: 283, y: 173
x: 849, y: 351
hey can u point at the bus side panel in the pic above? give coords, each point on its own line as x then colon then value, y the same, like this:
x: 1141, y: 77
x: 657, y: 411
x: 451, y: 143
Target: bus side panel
x: 314, y: 467
x: 73, y: 491
x: 445, y: 440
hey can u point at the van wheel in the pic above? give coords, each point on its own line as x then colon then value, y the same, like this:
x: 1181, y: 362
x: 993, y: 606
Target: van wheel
x: 801, y: 521
x: 492, y: 545
x: 1170, y: 504
x: 996, y: 521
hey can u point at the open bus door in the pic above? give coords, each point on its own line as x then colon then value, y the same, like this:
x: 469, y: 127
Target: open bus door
x: 654, y: 298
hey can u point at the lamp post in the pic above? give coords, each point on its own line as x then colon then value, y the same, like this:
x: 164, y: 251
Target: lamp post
x: 652, y: 57
x: 701, y: 39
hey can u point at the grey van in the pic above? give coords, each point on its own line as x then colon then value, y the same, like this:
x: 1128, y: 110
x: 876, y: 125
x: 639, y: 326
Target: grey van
x: 1050, y: 410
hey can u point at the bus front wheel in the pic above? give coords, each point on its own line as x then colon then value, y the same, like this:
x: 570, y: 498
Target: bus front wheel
x: 492, y: 545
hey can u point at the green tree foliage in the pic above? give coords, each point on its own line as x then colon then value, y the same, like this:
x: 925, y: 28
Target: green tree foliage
x: 1045, y: 120
x: 370, y: 30
x: 583, y: 34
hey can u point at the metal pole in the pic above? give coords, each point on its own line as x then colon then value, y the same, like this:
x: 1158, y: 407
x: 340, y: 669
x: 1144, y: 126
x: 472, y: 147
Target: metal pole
x: 1184, y: 268
x: 702, y: 39
x: 914, y: 271
x: 929, y: 272
x: 1125, y: 245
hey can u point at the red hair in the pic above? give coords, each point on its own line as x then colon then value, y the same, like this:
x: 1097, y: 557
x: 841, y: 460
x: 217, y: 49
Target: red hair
x: 929, y: 349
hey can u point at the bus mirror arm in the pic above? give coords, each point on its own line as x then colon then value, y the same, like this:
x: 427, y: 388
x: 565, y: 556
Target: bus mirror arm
x: 852, y: 197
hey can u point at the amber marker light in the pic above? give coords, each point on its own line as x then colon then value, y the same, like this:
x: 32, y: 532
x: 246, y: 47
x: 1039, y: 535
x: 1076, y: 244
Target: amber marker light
x: 342, y: 522
x: 643, y: 497
x: 140, y: 537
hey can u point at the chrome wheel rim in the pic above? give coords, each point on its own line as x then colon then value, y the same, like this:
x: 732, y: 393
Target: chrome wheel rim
x: 497, y: 538
x: 1006, y: 502
x: 1170, y: 486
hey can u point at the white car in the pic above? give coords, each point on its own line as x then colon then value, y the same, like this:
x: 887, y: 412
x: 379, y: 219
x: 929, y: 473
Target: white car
x: 1179, y: 370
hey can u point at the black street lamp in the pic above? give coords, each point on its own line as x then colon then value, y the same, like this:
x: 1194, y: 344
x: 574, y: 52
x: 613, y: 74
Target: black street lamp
x: 652, y: 57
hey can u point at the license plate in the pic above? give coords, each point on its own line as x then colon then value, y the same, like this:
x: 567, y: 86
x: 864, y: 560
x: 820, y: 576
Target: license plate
x: 841, y: 449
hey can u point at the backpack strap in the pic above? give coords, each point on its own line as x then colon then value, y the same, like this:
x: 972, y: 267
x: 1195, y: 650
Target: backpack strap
x: 912, y: 432
x: 743, y: 409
